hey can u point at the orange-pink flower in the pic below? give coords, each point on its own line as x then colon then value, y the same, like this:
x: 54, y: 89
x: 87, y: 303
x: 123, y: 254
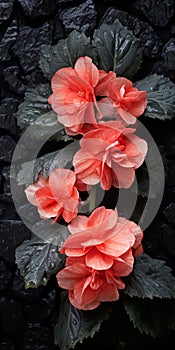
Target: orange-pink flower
x: 100, y: 250
x: 73, y: 97
x: 123, y: 100
x: 88, y: 287
x: 109, y: 154
x: 56, y: 197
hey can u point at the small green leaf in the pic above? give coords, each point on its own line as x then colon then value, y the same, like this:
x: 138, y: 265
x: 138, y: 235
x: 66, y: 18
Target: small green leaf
x: 150, y: 278
x: 118, y: 49
x: 65, y: 53
x: 153, y: 317
x: 37, y: 259
x: 160, y: 96
x: 75, y: 325
x: 30, y: 171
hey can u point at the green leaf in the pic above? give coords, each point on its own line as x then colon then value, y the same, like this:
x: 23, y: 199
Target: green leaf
x: 151, y: 175
x: 36, y: 115
x: 37, y: 258
x: 153, y: 317
x: 160, y: 96
x: 35, y: 105
x: 142, y: 181
x: 118, y: 49
x: 75, y: 325
x: 30, y: 171
x: 65, y: 53
x: 46, y: 127
x: 150, y: 278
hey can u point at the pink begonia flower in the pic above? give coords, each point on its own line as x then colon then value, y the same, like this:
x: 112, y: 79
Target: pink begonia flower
x: 88, y: 287
x: 73, y: 97
x: 100, y: 250
x: 122, y: 100
x: 109, y: 154
x: 55, y: 196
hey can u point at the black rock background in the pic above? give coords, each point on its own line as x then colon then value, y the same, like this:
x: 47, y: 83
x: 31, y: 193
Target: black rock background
x: 27, y: 317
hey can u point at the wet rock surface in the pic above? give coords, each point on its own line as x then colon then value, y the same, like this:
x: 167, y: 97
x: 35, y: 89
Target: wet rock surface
x: 37, y: 8
x: 158, y: 12
x: 166, y: 65
x: 27, y: 316
x: 149, y: 40
x: 82, y: 17
x: 6, y: 7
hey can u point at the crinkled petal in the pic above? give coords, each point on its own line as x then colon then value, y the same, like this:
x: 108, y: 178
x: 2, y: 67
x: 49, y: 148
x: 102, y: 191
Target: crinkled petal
x: 87, y: 70
x: 123, y: 265
x: 136, y: 149
x: 61, y: 182
x: 98, y: 228
x: 78, y: 224
x: 69, y: 276
x: 97, y: 260
x: 109, y: 292
x: 104, y: 80
x: 122, y: 176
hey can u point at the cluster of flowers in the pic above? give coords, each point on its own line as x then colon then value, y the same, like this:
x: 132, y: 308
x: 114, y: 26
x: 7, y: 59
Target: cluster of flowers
x: 101, y: 248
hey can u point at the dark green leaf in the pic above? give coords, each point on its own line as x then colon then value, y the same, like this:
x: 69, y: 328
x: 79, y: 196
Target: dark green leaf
x: 35, y: 105
x: 75, y: 325
x: 151, y: 175
x: 142, y: 181
x: 140, y: 211
x: 60, y: 159
x: 161, y: 96
x: 37, y: 258
x: 36, y: 113
x: 65, y: 53
x: 153, y: 317
x: 150, y: 278
x: 118, y: 49
x: 45, y: 127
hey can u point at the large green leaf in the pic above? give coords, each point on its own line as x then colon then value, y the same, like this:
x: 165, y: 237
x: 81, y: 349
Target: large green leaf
x: 150, y: 278
x: 37, y: 258
x: 35, y: 115
x: 75, y: 325
x: 46, y: 127
x: 151, y: 175
x: 30, y: 171
x: 65, y: 53
x: 118, y: 49
x: 35, y: 105
x: 160, y: 96
x: 153, y: 317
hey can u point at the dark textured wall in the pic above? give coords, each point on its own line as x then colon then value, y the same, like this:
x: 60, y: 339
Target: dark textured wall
x: 27, y: 317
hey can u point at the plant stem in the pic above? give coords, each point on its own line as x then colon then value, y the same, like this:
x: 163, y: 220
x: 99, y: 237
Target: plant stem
x: 92, y: 198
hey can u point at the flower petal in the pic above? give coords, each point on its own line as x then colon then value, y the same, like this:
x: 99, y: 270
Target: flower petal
x: 97, y: 229
x: 87, y: 70
x: 61, y: 182
x: 69, y: 276
x: 121, y: 241
x: 109, y: 292
x: 123, y: 265
x: 104, y: 80
x: 97, y: 260
x: 102, y: 216
x: 122, y: 177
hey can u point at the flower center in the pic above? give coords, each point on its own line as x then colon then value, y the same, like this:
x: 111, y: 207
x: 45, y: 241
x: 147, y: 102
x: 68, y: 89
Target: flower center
x: 115, y: 147
x: 96, y: 279
x: 83, y: 95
